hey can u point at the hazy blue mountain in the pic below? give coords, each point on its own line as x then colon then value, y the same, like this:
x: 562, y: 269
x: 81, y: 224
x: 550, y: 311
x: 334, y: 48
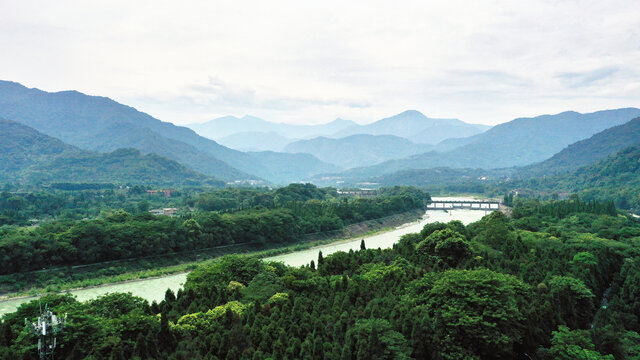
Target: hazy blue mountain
x: 228, y: 125
x: 416, y: 127
x: 519, y: 142
x: 101, y: 124
x: 452, y: 143
x: 588, y: 151
x: 256, y: 141
x: 29, y: 156
x: 357, y: 150
x: 293, y: 168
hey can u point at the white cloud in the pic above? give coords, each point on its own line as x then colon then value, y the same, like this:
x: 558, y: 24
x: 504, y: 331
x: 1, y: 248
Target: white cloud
x: 310, y: 62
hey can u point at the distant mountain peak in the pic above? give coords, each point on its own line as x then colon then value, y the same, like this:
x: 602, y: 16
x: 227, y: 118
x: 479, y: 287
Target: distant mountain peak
x: 411, y: 113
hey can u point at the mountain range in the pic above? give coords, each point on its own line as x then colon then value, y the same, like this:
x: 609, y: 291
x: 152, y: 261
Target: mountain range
x: 83, y: 127
x: 588, y: 151
x: 519, y: 142
x: 264, y: 135
x: 417, y: 127
x: 357, y: 150
x: 29, y: 156
x: 229, y: 125
x: 256, y: 141
x: 101, y: 124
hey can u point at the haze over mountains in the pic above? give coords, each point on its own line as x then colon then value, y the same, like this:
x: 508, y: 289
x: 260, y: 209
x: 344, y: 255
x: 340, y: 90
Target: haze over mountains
x: 519, y: 142
x: 264, y: 135
x: 588, y: 151
x: 358, y: 150
x: 417, y: 127
x: 101, y: 124
x: 229, y: 125
x: 410, y: 143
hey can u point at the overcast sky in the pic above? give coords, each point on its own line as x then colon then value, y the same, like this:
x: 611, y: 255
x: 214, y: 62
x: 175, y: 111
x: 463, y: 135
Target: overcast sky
x: 311, y: 62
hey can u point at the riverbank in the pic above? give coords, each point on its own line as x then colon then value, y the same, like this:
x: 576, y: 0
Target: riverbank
x: 153, y: 289
x: 67, y: 279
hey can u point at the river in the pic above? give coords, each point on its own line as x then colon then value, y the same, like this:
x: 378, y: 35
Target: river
x: 154, y: 289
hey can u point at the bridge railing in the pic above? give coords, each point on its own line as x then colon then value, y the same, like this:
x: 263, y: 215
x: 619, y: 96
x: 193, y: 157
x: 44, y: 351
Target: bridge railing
x: 461, y: 204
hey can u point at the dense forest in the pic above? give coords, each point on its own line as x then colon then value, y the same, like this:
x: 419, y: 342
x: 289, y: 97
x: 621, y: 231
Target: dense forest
x: 280, y: 216
x: 616, y: 177
x: 557, y: 280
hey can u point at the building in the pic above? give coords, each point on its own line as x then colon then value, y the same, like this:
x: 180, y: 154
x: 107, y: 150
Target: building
x: 358, y: 192
x: 164, y: 211
x: 165, y: 192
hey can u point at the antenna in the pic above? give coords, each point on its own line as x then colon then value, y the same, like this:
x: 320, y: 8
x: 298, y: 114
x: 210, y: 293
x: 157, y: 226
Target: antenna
x: 46, y: 329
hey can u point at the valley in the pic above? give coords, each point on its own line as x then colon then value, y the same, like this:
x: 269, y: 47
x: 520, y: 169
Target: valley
x: 284, y: 180
x: 170, y: 228
x: 153, y: 289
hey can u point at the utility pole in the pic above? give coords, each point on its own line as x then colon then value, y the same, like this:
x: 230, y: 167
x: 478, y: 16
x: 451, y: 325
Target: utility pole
x: 47, y: 328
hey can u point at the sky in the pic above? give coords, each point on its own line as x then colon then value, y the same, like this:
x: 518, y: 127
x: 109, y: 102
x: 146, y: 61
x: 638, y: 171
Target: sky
x: 309, y: 62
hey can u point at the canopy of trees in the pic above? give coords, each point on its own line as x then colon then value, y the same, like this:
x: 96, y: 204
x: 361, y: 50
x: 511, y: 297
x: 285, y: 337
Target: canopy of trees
x: 557, y: 281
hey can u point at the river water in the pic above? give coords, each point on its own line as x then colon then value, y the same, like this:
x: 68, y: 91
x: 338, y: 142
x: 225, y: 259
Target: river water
x: 154, y: 289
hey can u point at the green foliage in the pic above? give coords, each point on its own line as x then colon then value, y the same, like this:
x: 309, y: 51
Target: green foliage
x: 614, y: 178
x: 444, y: 246
x: 574, y: 345
x: 294, y: 211
x: 461, y: 330
x: 479, y: 296
x: 29, y: 156
x: 376, y: 339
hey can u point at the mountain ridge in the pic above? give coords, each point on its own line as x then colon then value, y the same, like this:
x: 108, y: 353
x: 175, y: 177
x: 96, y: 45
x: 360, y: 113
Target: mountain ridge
x: 228, y: 125
x: 357, y: 150
x: 29, y: 156
x: 502, y: 147
x: 99, y: 123
x: 415, y: 126
x: 587, y: 151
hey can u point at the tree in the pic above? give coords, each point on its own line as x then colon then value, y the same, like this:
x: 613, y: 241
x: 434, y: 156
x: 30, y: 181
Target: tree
x: 375, y: 339
x: 572, y: 301
x: 445, y: 246
x: 362, y: 246
x: 574, y: 345
x: 477, y: 313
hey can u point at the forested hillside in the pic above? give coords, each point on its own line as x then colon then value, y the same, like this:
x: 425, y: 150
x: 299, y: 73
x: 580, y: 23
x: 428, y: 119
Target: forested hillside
x: 616, y: 177
x: 526, y: 287
x: 124, y: 166
x: 588, y: 151
x: 22, y: 146
x: 30, y: 157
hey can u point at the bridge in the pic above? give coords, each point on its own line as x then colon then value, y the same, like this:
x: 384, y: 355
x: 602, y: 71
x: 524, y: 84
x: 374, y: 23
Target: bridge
x: 463, y: 204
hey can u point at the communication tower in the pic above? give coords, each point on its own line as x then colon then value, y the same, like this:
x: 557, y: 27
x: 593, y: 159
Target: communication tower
x: 46, y: 329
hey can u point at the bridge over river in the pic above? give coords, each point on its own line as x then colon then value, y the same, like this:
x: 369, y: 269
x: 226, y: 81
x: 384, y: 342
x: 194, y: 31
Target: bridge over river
x: 463, y: 204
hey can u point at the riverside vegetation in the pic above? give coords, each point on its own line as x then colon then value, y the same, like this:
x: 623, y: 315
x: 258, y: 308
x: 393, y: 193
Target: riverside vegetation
x: 257, y: 219
x: 529, y: 286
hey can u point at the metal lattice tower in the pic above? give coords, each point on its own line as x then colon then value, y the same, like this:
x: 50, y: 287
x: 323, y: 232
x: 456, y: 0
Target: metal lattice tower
x: 47, y: 328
